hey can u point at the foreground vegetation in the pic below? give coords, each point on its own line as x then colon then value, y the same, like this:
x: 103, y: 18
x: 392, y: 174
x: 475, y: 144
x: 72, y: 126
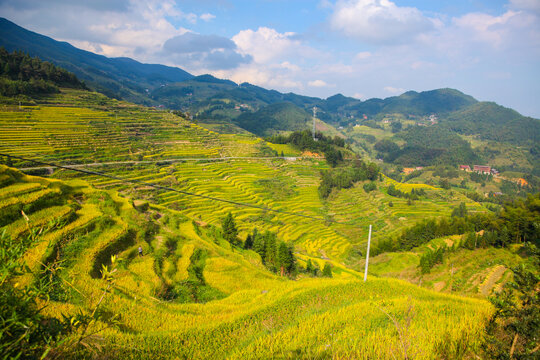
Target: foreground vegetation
x: 249, y: 313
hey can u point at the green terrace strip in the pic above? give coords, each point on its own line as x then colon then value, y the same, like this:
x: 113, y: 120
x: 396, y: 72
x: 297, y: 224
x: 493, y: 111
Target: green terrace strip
x: 159, y: 187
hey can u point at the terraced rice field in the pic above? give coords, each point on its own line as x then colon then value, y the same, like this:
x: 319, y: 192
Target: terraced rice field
x: 268, y: 184
x: 87, y: 128
x: 389, y: 214
x: 237, y: 309
x: 63, y: 130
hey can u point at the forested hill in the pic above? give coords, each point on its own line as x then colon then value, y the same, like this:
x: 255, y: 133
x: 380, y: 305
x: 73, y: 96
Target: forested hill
x: 21, y: 74
x: 494, y: 122
x: 281, y: 116
x: 122, y: 77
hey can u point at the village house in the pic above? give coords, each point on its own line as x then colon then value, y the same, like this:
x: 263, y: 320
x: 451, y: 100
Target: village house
x: 407, y: 171
x: 522, y: 182
x: 465, y: 168
x: 482, y: 169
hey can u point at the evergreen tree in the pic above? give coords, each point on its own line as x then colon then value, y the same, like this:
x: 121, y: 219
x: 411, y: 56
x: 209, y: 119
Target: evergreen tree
x: 327, y: 270
x: 248, y: 244
x: 283, y: 258
x: 309, y: 267
x: 460, y: 211
x: 470, y: 241
x: 270, y: 256
x: 504, y: 237
x: 316, y: 270
x: 230, y: 232
x: 259, y: 245
x: 513, y: 330
x: 291, y: 261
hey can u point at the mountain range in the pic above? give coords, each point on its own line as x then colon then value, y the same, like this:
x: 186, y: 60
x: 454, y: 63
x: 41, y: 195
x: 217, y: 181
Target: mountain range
x: 264, y: 111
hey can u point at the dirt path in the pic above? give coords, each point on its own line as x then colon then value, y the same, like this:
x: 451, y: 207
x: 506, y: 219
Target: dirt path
x: 135, y: 162
x: 494, y: 275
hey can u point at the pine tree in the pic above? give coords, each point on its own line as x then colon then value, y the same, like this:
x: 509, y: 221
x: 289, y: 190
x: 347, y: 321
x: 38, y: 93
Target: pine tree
x: 327, y: 270
x: 460, y: 211
x: 504, y: 237
x: 291, y: 264
x: 230, y: 232
x: 309, y: 267
x: 259, y: 245
x: 470, y: 241
x: 248, y: 244
x: 270, y: 251
x: 283, y: 258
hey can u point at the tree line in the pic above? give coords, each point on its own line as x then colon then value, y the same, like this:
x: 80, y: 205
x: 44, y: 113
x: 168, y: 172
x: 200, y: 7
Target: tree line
x: 414, y: 194
x: 517, y: 222
x: 22, y: 74
x: 345, y: 177
x: 303, y: 140
x: 275, y: 254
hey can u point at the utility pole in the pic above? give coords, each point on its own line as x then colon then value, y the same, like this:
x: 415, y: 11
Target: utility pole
x: 367, y: 254
x: 314, y: 114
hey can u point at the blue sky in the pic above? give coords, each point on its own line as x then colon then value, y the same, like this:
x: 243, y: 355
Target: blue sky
x: 489, y: 49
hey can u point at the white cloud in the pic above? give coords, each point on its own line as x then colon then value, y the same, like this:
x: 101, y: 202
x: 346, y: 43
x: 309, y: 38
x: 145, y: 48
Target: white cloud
x: 268, y: 76
x: 359, y: 96
x: 207, y: 17
x: 287, y: 65
x: 317, y: 83
x: 265, y: 44
x: 200, y: 52
x: 279, y: 60
x: 394, y: 90
x: 325, y: 4
x: 486, y: 28
x: 379, y: 21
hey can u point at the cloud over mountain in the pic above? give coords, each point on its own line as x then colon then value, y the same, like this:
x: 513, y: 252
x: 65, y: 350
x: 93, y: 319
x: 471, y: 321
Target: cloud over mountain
x: 204, y: 51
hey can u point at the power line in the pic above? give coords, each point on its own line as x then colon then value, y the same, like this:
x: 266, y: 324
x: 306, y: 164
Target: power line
x: 170, y: 161
x: 160, y: 187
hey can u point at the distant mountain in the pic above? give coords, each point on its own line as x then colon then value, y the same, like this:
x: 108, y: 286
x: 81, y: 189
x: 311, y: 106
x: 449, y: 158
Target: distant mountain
x: 117, y: 77
x: 434, y: 145
x: 494, y: 122
x: 206, y: 93
x: 274, y: 118
x: 440, y: 101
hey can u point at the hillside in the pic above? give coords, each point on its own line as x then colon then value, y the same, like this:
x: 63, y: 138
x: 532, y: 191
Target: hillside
x: 494, y: 122
x: 156, y: 180
x: 22, y: 75
x: 80, y: 127
x: 274, y: 118
x: 254, y: 314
